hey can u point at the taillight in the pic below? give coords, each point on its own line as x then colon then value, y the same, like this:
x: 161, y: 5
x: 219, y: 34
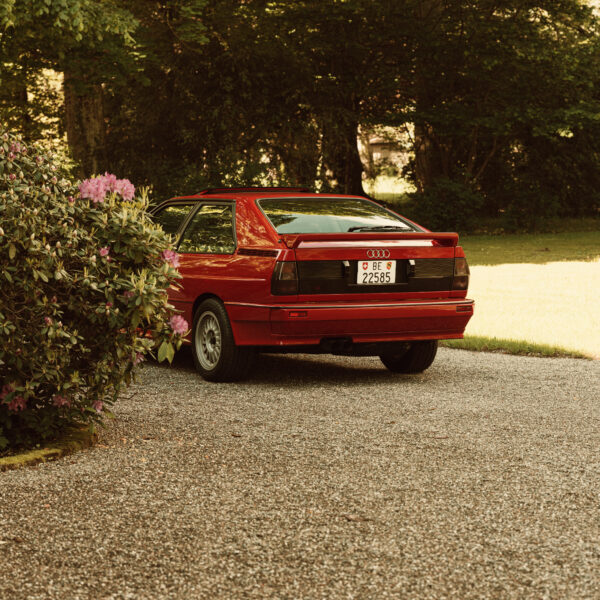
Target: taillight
x: 285, y: 279
x: 461, y: 274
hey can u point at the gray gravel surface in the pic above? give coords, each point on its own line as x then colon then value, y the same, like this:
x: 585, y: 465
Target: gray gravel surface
x: 323, y: 477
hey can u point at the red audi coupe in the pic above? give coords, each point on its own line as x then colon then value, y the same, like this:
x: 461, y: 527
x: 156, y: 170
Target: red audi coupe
x: 288, y: 270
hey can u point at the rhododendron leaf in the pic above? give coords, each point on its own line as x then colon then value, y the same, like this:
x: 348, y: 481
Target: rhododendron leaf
x: 170, y: 352
x: 162, y: 351
x: 135, y: 319
x: 62, y: 321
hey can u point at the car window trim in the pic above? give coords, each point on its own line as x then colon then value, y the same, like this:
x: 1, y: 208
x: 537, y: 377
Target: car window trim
x: 196, y: 209
x: 412, y: 226
x: 168, y: 203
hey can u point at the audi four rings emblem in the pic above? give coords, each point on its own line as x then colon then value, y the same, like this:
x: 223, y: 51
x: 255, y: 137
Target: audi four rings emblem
x: 378, y: 253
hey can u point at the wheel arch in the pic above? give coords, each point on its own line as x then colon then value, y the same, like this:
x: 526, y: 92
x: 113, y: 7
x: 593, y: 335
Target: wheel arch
x: 209, y: 296
x: 200, y: 299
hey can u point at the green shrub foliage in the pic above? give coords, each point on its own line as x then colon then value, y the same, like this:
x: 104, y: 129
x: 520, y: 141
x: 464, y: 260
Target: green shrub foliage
x: 447, y: 206
x: 83, y: 294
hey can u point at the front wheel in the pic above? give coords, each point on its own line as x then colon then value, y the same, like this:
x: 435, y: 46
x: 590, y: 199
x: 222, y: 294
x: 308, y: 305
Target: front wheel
x: 416, y: 359
x: 216, y: 356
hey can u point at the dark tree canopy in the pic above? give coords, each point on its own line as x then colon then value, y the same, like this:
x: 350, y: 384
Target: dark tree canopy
x: 499, y: 97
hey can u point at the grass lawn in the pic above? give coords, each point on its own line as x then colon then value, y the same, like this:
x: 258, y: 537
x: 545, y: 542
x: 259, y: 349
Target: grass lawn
x: 387, y: 188
x: 477, y: 343
x: 554, y: 304
x: 531, y: 248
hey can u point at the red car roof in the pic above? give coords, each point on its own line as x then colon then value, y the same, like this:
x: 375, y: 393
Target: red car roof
x: 254, y: 192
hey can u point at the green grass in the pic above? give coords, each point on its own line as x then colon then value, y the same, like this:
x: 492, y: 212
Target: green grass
x: 73, y: 440
x: 531, y: 248
x: 386, y: 184
x: 554, y: 304
x: 479, y: 343
x: 394, y: 201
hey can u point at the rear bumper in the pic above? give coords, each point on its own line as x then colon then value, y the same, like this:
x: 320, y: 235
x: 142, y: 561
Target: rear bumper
x: 309, y: 323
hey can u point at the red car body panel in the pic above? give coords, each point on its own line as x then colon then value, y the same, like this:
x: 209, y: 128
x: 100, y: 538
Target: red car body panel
x: 242, y: 281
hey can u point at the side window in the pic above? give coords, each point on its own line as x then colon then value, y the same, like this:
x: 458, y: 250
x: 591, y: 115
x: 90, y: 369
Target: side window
x: 210, y: 231
x: 171, y: 217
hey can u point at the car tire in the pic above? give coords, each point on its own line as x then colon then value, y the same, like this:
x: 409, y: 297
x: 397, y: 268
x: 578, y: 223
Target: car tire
x: 416, y: 359
x: 215, y: 353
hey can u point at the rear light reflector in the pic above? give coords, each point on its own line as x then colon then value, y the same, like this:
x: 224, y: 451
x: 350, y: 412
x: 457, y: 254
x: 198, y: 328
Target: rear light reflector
x: 296, y: 314
x: 285, y: 279
x: 461, y: 274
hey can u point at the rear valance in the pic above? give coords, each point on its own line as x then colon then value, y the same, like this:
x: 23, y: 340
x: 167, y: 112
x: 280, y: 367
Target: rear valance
x: 441, y: 239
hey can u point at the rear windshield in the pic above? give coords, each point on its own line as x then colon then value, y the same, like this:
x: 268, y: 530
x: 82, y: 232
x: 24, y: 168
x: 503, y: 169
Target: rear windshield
x: 330, y: 215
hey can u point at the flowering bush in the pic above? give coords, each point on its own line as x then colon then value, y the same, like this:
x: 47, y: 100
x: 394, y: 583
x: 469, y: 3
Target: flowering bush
x: 83, y: 293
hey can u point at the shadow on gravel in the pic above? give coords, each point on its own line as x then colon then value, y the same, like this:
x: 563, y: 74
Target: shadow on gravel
x: 292, y: 369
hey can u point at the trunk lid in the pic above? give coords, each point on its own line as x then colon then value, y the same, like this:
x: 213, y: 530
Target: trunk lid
x: 422, y: 263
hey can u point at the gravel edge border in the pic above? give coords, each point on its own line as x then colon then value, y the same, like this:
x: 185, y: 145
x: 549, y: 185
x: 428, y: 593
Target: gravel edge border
x: 74, y: 441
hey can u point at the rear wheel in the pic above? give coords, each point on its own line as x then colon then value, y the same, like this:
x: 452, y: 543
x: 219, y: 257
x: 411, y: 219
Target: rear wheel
x: 216, y: 356
x: 416, y: 359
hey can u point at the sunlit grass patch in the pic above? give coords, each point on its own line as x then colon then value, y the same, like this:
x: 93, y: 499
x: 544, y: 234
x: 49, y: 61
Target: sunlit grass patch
x: 522, y: 348
x: 391, y: 190
x: 554, y: 304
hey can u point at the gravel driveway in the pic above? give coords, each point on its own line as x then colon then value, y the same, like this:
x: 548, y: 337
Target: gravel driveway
x: 323, y: 477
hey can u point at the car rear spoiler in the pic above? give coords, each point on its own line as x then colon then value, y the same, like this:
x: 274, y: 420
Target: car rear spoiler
x: 442, y: 239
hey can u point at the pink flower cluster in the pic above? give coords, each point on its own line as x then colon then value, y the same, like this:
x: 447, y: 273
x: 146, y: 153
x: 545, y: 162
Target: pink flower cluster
x: 178, y: 324
x: 125, y: 189
x: 96, y: 188
x: 6, y: 390
x: 171, y: 257
x: 61, y: 401
x: 17, y: 148
x: 17, y: 403
x: 104, y: 251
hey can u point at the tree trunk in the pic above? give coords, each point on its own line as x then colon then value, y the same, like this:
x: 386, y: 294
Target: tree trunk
x: 425, y: 168
x: 84, y: 117
x: 428, y: 155
x: 341, y: 158
x: 365, y: 139
x: 297, y: 145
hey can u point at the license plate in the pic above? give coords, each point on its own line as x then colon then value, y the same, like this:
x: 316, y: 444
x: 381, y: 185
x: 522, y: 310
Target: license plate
x: 376, y: 272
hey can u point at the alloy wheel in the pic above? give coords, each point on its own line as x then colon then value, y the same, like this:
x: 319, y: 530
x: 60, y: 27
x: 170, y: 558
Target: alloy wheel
x: 208, y: 340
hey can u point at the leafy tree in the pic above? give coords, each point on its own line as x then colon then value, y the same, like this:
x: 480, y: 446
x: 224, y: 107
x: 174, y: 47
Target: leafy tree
x: 495, y: 84
x: 193, y: 93
x: 267, y: 91
x: 88, y: 41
